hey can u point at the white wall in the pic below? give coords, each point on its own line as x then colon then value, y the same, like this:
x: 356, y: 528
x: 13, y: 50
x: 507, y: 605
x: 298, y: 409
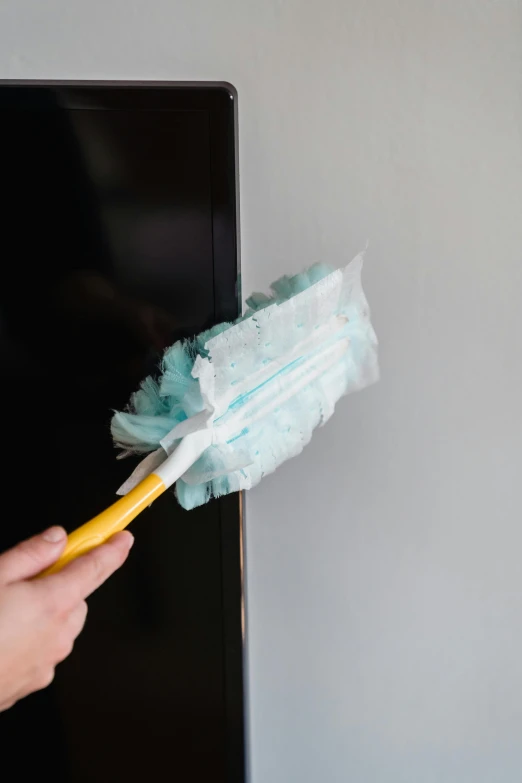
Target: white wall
x: 384, y: 578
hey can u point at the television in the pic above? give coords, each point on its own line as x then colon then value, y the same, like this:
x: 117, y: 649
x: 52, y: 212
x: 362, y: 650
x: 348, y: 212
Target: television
x: 119, y: 235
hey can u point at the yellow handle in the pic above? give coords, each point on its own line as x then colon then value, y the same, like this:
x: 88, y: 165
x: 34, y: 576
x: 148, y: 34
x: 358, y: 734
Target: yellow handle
x: 111, y: 521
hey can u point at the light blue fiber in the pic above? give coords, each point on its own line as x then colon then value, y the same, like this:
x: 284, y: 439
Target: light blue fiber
x: 260, y: 447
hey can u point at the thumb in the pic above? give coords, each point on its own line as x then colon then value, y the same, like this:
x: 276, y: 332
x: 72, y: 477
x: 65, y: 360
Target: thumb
x: 30, y: 557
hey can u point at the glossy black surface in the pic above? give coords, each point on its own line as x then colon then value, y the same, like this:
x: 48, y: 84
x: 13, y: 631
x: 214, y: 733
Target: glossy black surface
x: 118, y: 235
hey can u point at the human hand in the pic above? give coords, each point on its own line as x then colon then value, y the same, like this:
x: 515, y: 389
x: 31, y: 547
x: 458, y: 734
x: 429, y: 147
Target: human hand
x: 41, y: 618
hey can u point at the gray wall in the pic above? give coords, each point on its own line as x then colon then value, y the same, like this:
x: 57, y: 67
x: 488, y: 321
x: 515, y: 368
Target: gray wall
x: 384, y: 579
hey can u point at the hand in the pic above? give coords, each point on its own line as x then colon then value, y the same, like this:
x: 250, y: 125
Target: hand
x: 41, y: 618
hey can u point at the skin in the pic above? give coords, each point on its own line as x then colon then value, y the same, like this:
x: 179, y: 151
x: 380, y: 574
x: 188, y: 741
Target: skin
x: 41, y: 618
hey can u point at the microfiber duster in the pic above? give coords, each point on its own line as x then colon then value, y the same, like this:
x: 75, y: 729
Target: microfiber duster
x: 234, y: 403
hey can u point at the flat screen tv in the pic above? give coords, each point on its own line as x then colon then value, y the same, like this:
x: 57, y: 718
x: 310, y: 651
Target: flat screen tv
x: 119, y: 235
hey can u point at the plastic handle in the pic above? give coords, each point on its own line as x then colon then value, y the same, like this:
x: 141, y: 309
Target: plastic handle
x: 115, y: 518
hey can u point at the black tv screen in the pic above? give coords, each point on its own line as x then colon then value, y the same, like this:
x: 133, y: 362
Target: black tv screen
x: 118, y: 236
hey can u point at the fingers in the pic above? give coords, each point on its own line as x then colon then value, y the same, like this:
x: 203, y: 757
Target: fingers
x: 71, y: 628
x: 77, y: 580
x: 76, y: 620
x: 39, y: 679
x: 30, y: 557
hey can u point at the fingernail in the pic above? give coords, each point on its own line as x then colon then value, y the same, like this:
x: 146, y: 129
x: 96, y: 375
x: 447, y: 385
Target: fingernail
x: 126, y: 536
x: 54, y: 534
